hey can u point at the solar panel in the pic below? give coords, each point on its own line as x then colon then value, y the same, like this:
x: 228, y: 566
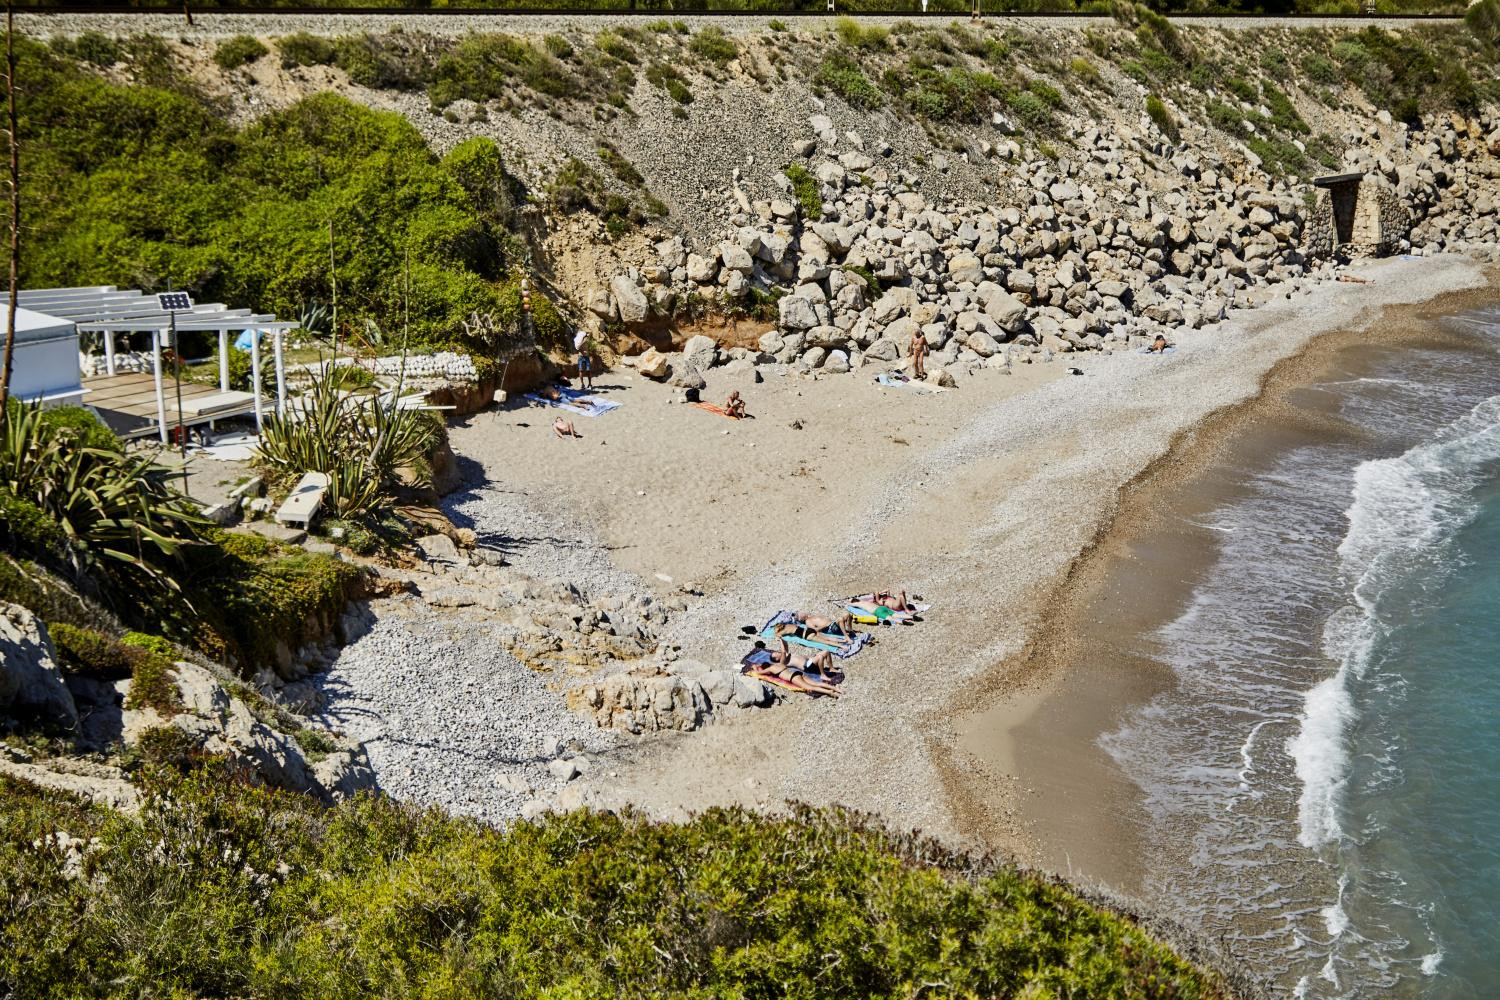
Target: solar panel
x: 174, y: 301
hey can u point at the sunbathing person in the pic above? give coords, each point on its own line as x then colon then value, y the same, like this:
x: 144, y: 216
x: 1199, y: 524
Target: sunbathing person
x: 564, y: 428
x: 820, y: 662
x: 734, y: 406
x: 885, y: 599
x: 796, y: 669
x: 550, y: 392
x: 819, y: 628
x: 1159, y: 345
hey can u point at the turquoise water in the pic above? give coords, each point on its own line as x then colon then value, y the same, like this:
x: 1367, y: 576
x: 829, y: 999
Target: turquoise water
x: 1327, y: 772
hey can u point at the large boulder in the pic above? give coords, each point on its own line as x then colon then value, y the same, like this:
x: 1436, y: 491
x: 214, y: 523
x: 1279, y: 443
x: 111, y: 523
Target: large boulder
x: 737, y: 258
x: 701, y: 269
x: 883, y: 350
x: 966, y: 267
x: 699, y: 353
x: 796, y: 313
x: 31, y: 685
x: 653, y: 364
x: 1006, y: 310
x: 631, y: 302
x: 836, y: 362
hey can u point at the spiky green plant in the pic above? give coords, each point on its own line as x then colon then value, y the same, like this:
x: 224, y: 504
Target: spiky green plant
x: 358, y: 440
x: 121, y: 518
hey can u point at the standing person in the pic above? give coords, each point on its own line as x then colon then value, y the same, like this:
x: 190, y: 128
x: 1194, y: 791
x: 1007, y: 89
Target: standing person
x: 585, y: 363
x: 919, y: 354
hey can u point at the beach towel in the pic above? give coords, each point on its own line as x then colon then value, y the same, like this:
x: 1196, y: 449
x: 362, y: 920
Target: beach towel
x: 842, y: 651
x: 576, y: 401
x: 879, y: 615
x: 900, y: 382
x: 1147, y: 350
x: 715, y: 408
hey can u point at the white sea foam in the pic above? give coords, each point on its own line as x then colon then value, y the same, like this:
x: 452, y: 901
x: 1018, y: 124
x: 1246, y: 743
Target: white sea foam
x: 1431, y: 962
x: 1404, y: 508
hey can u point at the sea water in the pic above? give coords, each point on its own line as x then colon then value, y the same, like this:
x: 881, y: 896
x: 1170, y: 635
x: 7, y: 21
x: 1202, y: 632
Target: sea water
x: 1328, y: 766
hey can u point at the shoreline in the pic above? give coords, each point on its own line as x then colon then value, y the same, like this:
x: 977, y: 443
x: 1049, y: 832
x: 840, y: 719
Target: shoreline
x: 1137, y: 575
x: 984, y: 519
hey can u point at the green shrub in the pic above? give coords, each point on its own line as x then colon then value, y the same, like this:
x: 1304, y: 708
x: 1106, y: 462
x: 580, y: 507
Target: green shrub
x: 1227, y: 118
x: 1085, y: 71
x: 667, y: 78
x: 241, y: 50
x: 304, y: 49
x: 85, y: 429
x: 1321, y: 69
x: 1275, y: 63
x: 26, y: 529
x: 93, y: 654
x: 620, y: 166
x: 842, y: 75
x: 360, y: 443
x: 1031, y: 111
x: 91, y: 47
x: 558, y: 46
x: 806, y: 190
x: 217, y: 887
x: 1243, y: 89
x: 146, y: 660
x: 1283, y: 113
x: 715, y: 46
x: 383, y: 61
x: 168, y: 747
x: 1158, y: 113
x: 858, y: 36
x: 611, y: 44
x: 1483, y: 18
x: 775, y: 25
x: 1278, y: 156
x: 485, y: 67
x: 662, y: 27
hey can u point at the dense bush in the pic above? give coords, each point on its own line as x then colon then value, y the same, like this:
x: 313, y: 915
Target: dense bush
x: 715, y: 46
x: 362, y: 444
x: 241, y: 50
x: 123, y: 523
x: 146, y: 660
x: 218, y: 888
x: 127, y: 184
x: 304, y: 49
x: 842, y: 75
x: 484, y: 67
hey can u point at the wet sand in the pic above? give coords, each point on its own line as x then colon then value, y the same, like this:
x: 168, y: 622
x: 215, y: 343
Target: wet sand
x: 1091, y: 659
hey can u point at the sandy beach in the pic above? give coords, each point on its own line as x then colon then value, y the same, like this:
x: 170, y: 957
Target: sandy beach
x: 983, y: 499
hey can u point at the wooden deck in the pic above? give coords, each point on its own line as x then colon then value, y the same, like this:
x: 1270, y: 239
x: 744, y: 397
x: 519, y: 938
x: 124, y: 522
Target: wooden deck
x: 127, y: 402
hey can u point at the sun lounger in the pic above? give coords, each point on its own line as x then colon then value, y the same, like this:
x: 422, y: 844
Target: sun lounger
x: 302, y: 504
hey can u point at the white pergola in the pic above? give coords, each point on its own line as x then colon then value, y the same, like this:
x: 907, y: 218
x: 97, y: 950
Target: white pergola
x: 108, y: 310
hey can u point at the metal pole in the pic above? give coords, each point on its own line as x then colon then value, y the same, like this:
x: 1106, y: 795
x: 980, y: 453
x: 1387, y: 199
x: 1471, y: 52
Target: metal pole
x: 109, y: 352
x: 177, y: 378
x: 223, y: 360
x: 255, y: 379
x: 161, y: 399
x: 280, y: 373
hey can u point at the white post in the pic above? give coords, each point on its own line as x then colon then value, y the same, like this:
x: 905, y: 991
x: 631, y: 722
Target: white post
x: 109, y: 352
x: 161, y: 399
x: 280, y: 373
x: 223, y: 360
x: 255, y: 378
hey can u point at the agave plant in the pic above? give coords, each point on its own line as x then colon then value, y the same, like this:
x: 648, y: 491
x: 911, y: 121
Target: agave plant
x: 360, y: 442
x: 121, y: 517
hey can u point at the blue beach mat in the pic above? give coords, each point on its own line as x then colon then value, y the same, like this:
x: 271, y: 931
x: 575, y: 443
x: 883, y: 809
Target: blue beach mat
x: 1147, y: 350
x: 576, y: 401
x: 843, y: 652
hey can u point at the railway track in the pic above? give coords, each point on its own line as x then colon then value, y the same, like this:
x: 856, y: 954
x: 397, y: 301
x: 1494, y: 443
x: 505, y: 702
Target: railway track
x: 817, y: 8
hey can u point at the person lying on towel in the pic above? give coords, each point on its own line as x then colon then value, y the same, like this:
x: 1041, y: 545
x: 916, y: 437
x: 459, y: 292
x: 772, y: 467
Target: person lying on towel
x: 820, y: 662
x: 821, y: 629
x: 734, y: 406
x: 886, y: 600
x: 1159, y: 345
x: 793, y: 670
